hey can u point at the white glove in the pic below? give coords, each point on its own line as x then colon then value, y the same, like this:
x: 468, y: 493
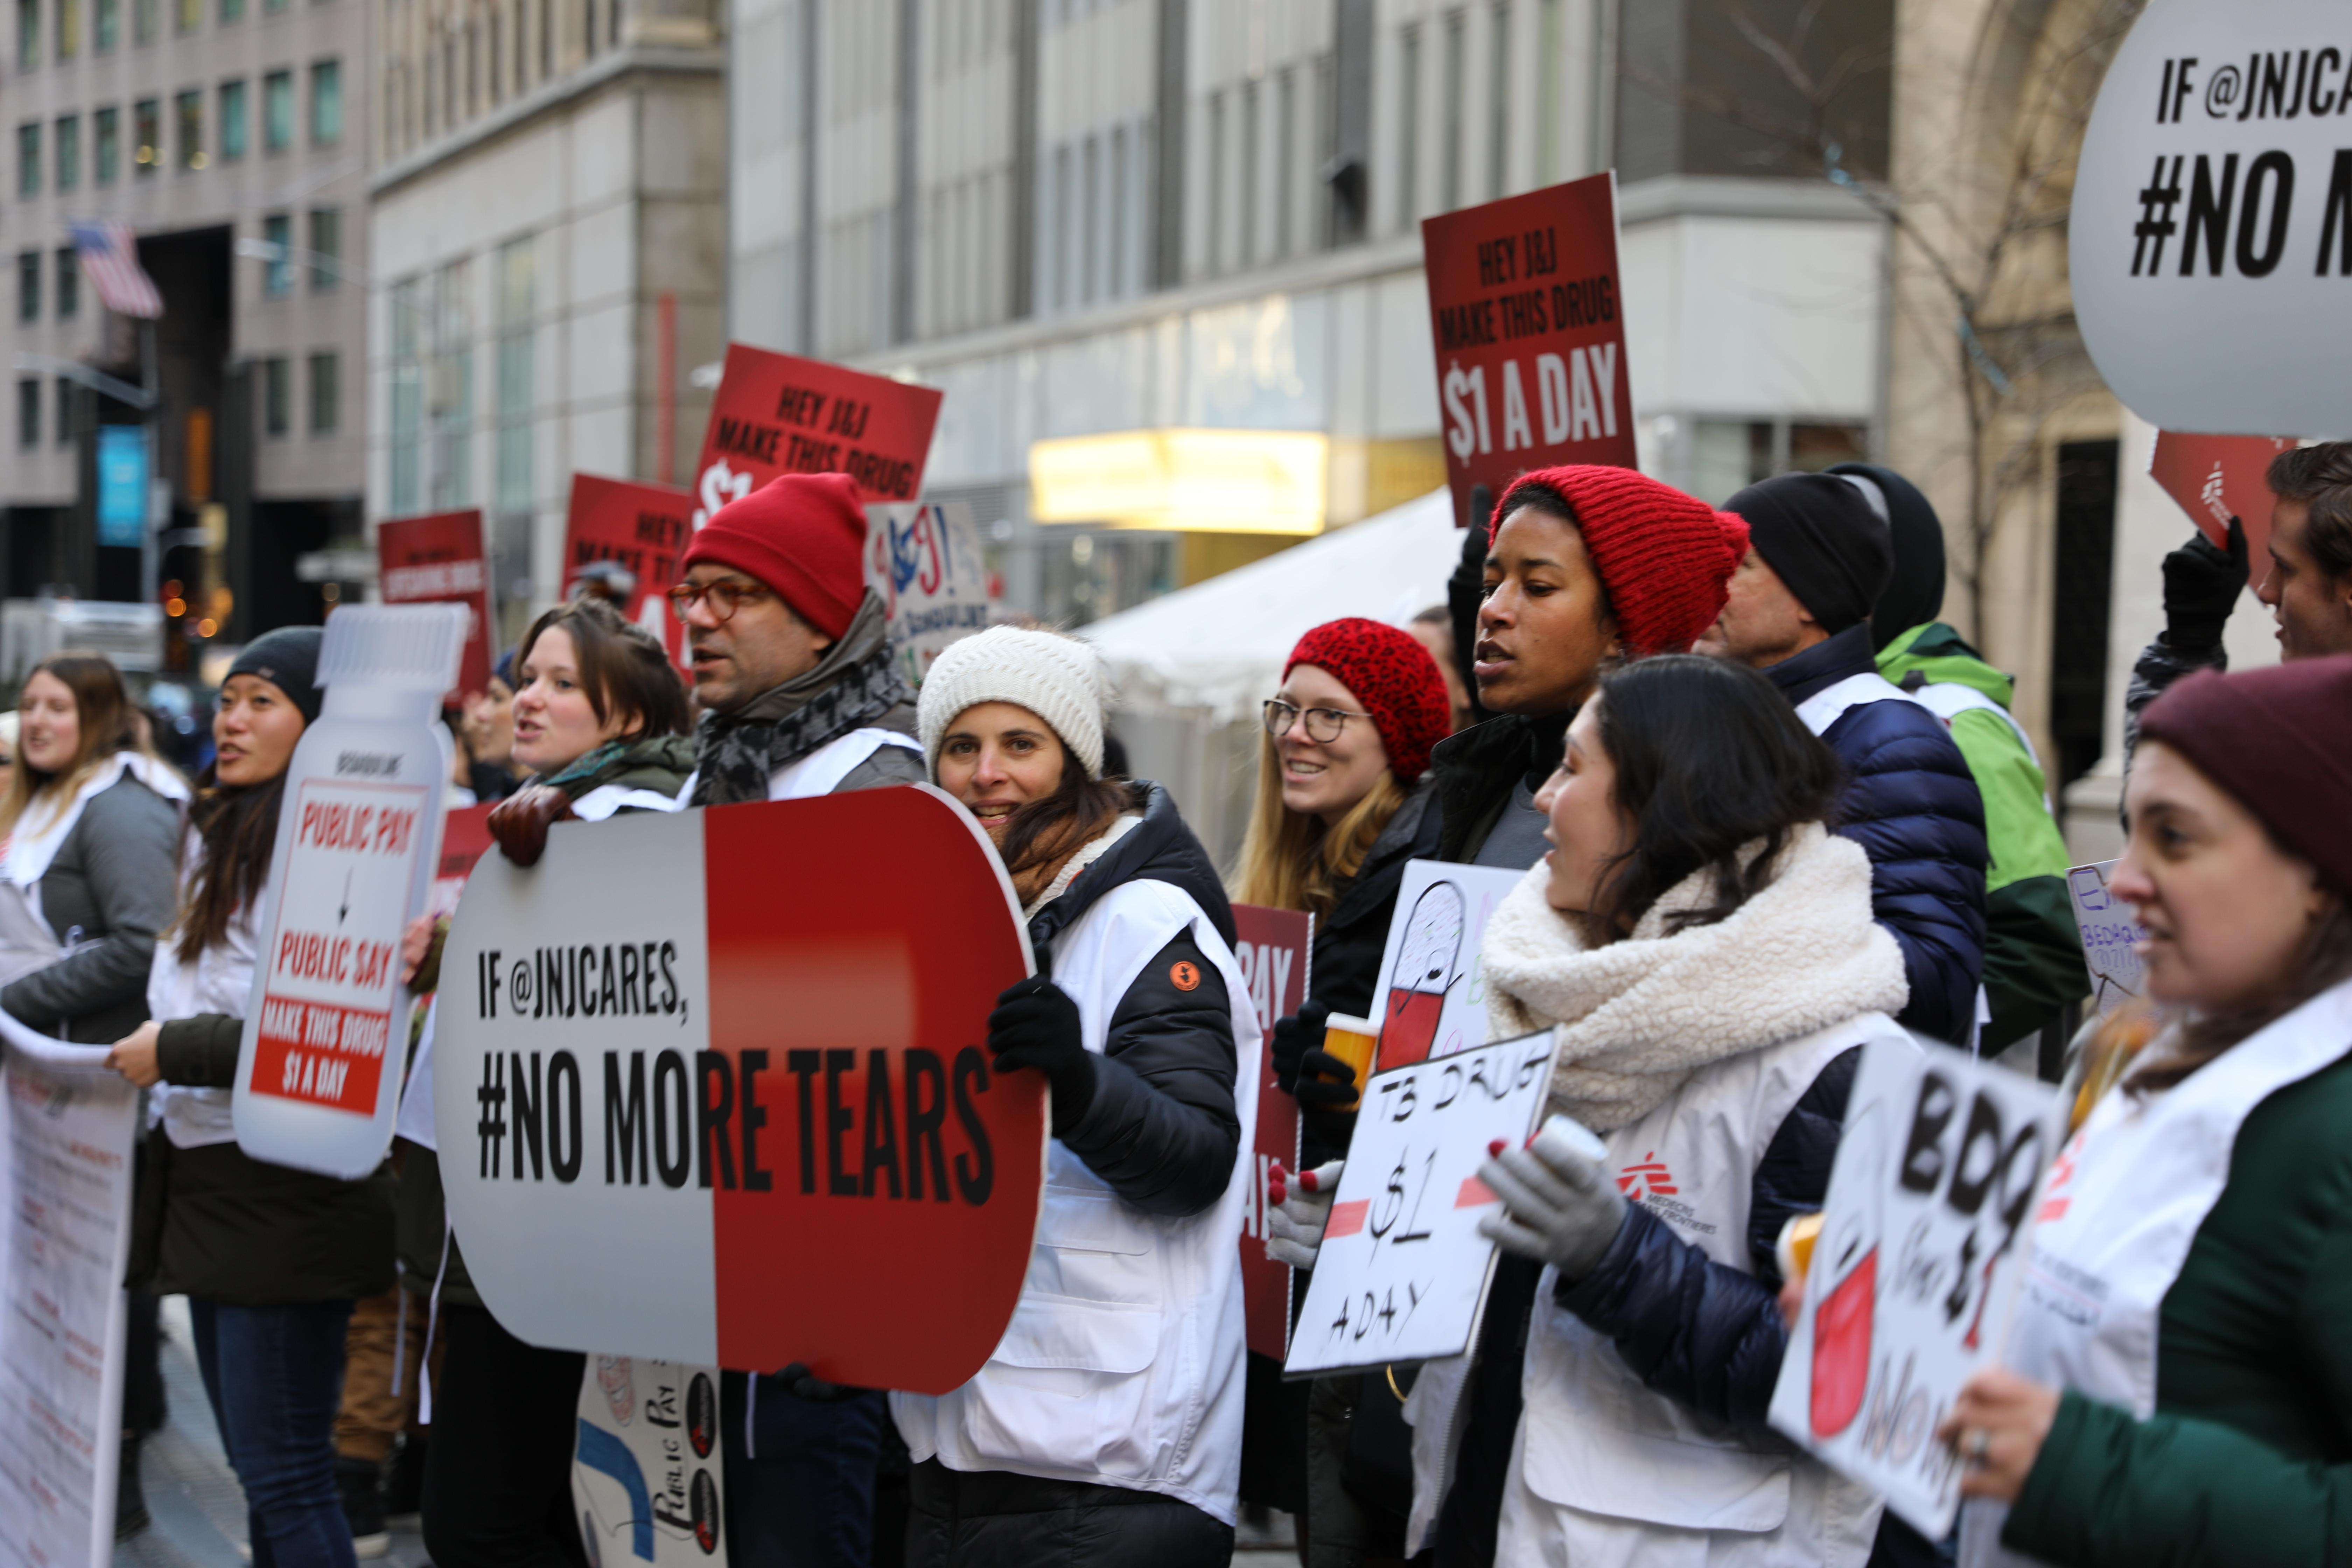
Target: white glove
x: 1296, y: 1215
x: 1558, y: 1205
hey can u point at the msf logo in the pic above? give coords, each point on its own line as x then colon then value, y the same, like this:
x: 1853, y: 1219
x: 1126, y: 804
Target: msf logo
x: 1647, y: 1179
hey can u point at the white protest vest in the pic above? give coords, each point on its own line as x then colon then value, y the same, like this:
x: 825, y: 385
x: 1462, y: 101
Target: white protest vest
x: 819, y: 773
x: 1122, y: 1366
x: 2124, y: 1202
x: 1827, y: 706
x: 1606, y: 1473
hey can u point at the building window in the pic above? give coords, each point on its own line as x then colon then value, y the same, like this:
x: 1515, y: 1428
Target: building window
x: 517, y: 305
x: 143, y: 20
x: 452, y: 387
x: 276, y: 111
x: 69, y: 134
x: 1216, y: 182
x: 1454, y: 153
x: 64, y: 391
x: 106, y: 153
x: 231, y: 11
x: 277, y: 273
x: 275, y: 395
x: 232, y: 121
x: 29, y: 285
x: 326, y: 394
x: 28, y: 35
x: 188, y: 115
x: 107, y: 15
x: 273, y: 6
x: 68, y: 28
x: 147, y: 133
x: 407, y: 399
x: 29, y: 158
x: 1285, y: 160
x: 191, y: 15
x: 1253, y: 96
x: 69, y: 284
x: 1409, y: 127
x: 326, y: 103
x: 28, y: 413
x: 327, y: 248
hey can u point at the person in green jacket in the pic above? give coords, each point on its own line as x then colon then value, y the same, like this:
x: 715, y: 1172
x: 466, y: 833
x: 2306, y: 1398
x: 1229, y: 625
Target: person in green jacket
x: 2033, y: 955
x: 2175, y: 1389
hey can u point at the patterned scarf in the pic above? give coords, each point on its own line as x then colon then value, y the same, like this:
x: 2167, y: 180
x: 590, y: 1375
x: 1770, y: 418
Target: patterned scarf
x: 855, y: 683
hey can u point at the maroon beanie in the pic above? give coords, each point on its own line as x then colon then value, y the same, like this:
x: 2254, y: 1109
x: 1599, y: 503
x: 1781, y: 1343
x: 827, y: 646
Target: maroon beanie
x: 1666, y: 557
x: 802, y: 535
x: 1392, y: 676
x: 2280, y: 740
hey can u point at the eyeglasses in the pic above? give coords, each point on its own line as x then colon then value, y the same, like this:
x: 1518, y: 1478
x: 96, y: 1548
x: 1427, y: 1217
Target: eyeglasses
x: 1323, y: 725
x: 726, y: 597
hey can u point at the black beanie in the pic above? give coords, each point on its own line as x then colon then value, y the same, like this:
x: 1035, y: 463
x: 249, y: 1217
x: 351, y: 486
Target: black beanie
x: 1915, y: 595
x: 288, y: 660
x: 1820, y: 537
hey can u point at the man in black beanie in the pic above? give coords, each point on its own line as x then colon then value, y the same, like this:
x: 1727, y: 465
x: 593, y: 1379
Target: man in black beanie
x: 1798, y: 610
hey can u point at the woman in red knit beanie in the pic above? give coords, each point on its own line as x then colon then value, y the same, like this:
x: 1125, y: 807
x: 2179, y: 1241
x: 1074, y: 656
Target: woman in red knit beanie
x: 1341, y: 805
x: 1587, y: 564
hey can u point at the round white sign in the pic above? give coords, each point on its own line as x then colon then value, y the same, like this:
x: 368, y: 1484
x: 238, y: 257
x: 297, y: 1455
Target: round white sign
x: 2211, y: 233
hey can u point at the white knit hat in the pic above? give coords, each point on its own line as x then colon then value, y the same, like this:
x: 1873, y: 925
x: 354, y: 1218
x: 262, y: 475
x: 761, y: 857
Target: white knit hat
x: 1058, y: 678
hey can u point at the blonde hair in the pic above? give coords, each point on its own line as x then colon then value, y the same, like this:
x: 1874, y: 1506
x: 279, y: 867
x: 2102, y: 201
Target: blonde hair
x: 108, y: 723
x: 1291, y: 860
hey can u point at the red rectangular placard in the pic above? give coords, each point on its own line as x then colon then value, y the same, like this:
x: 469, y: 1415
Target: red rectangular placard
x: 1276, y: 948
x: 779, y: 414
x: 438, y: 559
x: 2216, y: 478
x: 1530, y: 335
x: 643, y: 527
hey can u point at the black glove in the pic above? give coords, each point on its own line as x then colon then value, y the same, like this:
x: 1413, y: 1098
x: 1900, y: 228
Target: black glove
x: 802, y: 1384
x: 1036, y: 1024
x: 1292, y: 1037
x: 2201, y: 585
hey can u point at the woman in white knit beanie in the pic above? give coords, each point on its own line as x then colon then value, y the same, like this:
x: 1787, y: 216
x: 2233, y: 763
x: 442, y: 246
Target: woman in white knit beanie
x: 1107, y: 1429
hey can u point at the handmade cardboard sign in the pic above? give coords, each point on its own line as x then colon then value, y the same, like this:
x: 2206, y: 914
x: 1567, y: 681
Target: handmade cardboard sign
x: 641, y: 526
x: 1402, y: 1273
x: 646, y: 1473
x: 2109, y: 933
x: 713, y: 1087
x: 65, y: 1188
x: 1275, y: 949
x: 1926, y: 1234
x: 326, y: 1024
x: 924, y: 561
x: 1429, y: 1000
x: 438, y: 559
x: 2211, y: 230
x: 1530, y: 334
x: 2217, y: 477
x: 778, y: 414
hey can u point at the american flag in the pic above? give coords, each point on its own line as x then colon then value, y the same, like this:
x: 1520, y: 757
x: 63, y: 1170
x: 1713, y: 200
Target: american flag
x: 109, y: 258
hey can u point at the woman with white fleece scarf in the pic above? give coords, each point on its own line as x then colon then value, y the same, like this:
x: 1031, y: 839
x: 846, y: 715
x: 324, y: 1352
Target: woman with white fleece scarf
x: 1703, y: 953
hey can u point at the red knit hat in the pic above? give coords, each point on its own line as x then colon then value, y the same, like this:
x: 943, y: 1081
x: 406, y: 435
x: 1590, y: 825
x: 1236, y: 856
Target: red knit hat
x: 1392, y: 676
x: 802, y: 535
x: 1666, y: 557
x: 2275, y: 739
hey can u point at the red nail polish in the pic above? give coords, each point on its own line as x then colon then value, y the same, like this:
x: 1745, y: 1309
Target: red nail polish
x: 1309, y: 1182
x: 1497, y: 1146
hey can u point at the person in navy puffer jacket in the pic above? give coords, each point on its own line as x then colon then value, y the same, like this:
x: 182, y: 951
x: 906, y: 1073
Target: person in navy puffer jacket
x: 1798, y: 610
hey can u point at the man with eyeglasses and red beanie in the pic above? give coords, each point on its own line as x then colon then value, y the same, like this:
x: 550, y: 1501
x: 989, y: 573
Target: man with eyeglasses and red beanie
x: 799, y: 698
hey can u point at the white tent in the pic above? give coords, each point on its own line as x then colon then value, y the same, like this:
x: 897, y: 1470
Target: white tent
x: 1217, y: 647
x: 1191, y: 667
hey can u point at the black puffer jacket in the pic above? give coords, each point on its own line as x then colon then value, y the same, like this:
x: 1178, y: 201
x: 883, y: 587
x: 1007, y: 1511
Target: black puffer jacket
x: 1912, y: 803
x: 1477, y: 770
x: 1346, y: 960
x: 1162, y: 1130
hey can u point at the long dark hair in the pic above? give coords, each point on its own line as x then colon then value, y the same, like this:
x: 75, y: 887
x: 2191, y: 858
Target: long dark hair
x: 1709, y: 758
x: 1049, y: 828
x: 236, y: 829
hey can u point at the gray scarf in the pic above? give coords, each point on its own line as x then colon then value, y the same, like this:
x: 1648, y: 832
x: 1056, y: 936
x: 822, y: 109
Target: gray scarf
x: 854, y: 684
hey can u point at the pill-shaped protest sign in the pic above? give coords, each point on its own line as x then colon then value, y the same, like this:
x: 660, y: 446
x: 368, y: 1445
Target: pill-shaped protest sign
x: 714, y: 1088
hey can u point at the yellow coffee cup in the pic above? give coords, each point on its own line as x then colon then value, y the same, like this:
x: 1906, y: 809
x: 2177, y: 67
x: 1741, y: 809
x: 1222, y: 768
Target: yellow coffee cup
x: 1351, y: 1040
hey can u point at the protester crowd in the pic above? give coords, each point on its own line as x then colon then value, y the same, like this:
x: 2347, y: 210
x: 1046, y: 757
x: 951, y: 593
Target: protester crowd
x: 1768, y: 809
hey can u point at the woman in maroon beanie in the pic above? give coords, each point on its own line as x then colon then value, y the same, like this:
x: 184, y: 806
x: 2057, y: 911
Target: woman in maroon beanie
x: 2178, y: 1388
x: 1342, y: 804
